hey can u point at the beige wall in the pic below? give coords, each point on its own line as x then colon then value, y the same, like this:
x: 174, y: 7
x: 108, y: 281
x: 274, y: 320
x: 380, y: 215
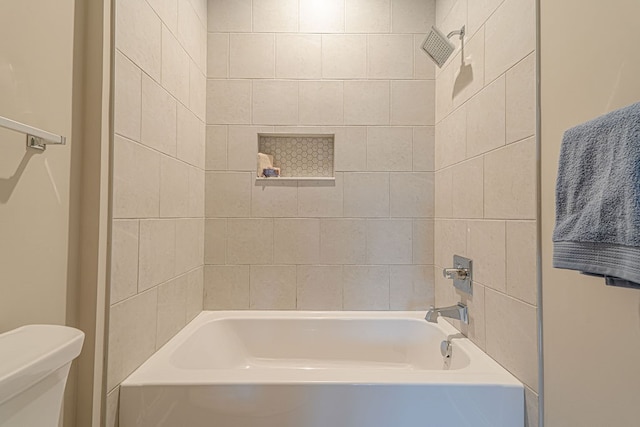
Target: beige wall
x: 349, y: 67
x: 36, y: 85
x: 90, y: 188
x: 589, y: 67
x: 485, y: 158
x: 157, y: 235
x: 53, y: 204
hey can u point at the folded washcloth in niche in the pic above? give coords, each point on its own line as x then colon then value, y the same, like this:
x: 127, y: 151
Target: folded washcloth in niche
x: 598, y: 198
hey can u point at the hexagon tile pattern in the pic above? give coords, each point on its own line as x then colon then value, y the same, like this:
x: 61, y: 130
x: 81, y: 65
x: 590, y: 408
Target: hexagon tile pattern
x: 303, y: 156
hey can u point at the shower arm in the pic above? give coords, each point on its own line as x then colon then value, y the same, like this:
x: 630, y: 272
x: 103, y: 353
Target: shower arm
x: 459, y: 32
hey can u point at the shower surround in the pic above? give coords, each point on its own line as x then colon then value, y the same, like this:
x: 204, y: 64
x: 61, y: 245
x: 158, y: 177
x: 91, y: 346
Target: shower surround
x: 485, y: 155
x: 351, y: 68
x: 157, y: 233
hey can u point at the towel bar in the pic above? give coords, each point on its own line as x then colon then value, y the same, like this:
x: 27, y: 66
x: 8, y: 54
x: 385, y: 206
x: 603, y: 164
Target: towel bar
x: 36, y: 138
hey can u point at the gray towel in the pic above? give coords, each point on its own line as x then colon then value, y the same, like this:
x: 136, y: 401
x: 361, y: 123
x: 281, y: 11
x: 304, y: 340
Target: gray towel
x: 598, y: 198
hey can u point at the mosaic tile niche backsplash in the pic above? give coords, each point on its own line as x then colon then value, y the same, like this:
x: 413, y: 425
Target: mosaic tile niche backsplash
x: 299, y: 155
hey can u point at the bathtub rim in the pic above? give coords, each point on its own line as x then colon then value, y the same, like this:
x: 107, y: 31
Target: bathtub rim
x: 157, y: 370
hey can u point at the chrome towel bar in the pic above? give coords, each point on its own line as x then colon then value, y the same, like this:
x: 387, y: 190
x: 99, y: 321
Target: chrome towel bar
x: 36, y: 138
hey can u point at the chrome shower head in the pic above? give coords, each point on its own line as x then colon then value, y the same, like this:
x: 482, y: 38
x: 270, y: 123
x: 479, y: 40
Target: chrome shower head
x: 438, y: 46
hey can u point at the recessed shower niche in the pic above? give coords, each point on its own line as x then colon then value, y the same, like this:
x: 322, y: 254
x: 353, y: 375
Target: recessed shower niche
x: 298, y: 156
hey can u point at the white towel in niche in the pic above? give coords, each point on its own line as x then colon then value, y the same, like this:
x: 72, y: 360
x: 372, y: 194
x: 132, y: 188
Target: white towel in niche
x: 265, y: 161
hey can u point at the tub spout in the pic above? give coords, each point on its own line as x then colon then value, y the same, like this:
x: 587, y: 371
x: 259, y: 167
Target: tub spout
x: 458, y: 311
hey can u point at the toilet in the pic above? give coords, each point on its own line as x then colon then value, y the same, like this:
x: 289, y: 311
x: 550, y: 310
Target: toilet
x: 34, y: 365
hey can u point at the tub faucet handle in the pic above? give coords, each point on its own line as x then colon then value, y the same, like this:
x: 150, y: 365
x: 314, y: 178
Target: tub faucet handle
x: 455, y: 273
x: 461, y: 274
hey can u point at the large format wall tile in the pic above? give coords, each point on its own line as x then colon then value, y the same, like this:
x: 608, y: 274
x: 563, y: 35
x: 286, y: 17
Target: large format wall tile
x: 486, y: 247
x: 242, y: 147
x: 296, y: 241
x: 157, y: 252
x: 390, y: 56
x: 157, y: 234
x: 411, y: 287
x: 275, y: 102
x: 159, y: 117
x: 174, y: 188
x: 226, y: 287
x: 451, y: 139
x: 124, y: 259
x: 127, y: 98
x: 275, y: 16
x: 411, y: 194
x: 319, y: 287
x: 217, y: 55
x: 136, y: 180
x: 229, y: 15
x: 366, y: 194
x: 423, y: 238
x: 250, y: 241
x: 325, y: 16
x: 510, y: 35
x: 467, y: 191
x: 195, y: 293
x: 189, y: 244
x: 389, y: 241
x: 321, y: 102
x: 512, y: 337
x: 407, y: 102
x: 365, y: 287
x: 321, y: 198
x: 167, y: 10
x: 343, y: 241
x: 389, y: 149
x: 344, y: 56
x: 175, y: 67
x: 486, y: 119
x: 412, y: 16
x: 251, y: 56
x: 367, y: 16
x: 521, y: 260
x: 192, y: 33
x: 274, y: 199
x: 190, y: 138
x: 216, y: 148
x: 366, y: 102
x: 521, y: 100
x: 349, y: 68
x: 132, y: 335
x: 229, y: 102
x: 485, y: 180
x: 424, y: 139
x: 299, y: 56
x: 273, y: 287
x: 228, y: 194
x: 172, y: 309
x: 138, y: 35
x: 510, y: 181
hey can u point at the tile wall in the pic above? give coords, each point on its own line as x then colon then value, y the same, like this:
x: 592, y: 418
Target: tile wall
x: 349, y: 67
x: 485, y: 180
x: 157, y: 237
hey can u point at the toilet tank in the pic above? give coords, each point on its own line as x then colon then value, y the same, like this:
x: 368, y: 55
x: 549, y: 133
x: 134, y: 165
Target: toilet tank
x: 34, y: 364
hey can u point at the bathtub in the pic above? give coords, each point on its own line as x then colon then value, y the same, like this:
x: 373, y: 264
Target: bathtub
x: 319, y: 369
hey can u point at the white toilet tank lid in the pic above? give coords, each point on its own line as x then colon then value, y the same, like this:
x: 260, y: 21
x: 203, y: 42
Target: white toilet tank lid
x: 30, y: 353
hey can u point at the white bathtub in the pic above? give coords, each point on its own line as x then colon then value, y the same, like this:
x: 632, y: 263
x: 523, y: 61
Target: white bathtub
x: 319, y: 369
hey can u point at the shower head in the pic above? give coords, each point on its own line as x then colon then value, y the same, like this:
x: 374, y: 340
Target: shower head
x: 438, y: 46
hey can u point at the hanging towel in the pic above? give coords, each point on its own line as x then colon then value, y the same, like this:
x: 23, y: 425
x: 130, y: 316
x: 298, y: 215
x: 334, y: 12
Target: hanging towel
x: 598, y: 198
